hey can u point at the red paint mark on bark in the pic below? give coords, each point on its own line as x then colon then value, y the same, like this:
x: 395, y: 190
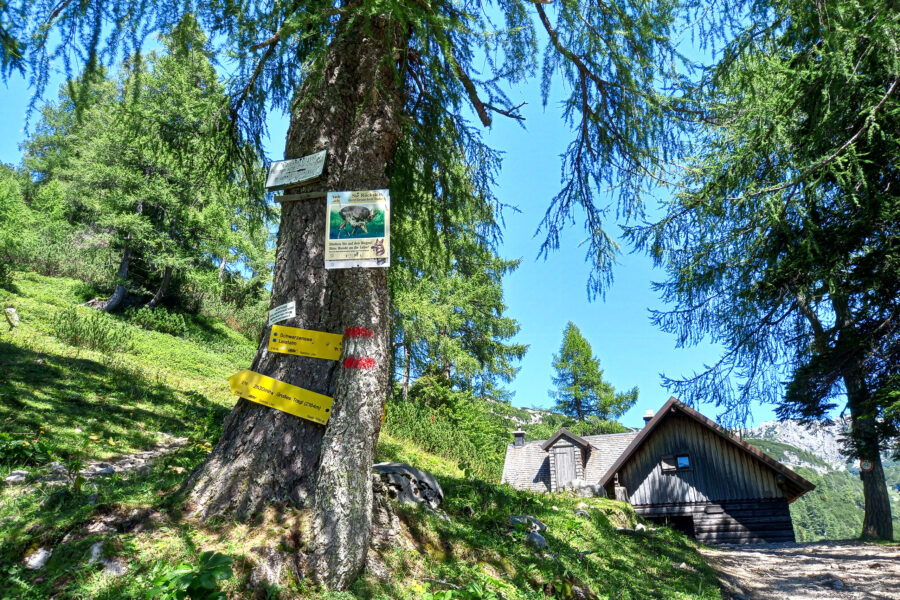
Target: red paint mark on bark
x: 362, y: 362
x: 359, y: 332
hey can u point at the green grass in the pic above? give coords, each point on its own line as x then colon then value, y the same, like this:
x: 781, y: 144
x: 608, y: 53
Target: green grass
x: 85, y: 403
x: 66, y: 394
x: 477, y: 545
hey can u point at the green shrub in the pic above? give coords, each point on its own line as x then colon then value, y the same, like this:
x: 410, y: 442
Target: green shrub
x: 199, y: 582
x: 89, y: 328
x: 158, y: 319
x: 453, y: 424
x: 19, y: 451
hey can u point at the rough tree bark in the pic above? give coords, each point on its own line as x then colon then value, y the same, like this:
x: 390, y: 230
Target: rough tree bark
x: 269, y: 457
x: 121, y: 291
x: 877, y: 521
x: 864, y: 433
x: 162, y: 290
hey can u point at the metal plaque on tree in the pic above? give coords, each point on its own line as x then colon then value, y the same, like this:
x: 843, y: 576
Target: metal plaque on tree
x: 285, y: 173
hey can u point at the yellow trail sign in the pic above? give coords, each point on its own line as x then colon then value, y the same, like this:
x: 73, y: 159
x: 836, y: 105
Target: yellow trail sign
x: 305, y: 342
x: 283, y: 396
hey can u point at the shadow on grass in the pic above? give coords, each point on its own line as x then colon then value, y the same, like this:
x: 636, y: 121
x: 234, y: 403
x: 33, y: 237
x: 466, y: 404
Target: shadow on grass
x: 587, y: 552
x: 106, y: 400
x: 29, y: 522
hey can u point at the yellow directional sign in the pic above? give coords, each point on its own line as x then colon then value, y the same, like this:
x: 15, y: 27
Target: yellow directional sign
x: 304, y: 342
x: 283, y: 396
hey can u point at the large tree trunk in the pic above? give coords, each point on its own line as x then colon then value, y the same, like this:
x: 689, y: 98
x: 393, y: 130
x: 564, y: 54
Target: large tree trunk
x: 121, y: 291
x: 864, y: 432
x: 877, y: 520
x: 162, y: 290
x: 269, y: 457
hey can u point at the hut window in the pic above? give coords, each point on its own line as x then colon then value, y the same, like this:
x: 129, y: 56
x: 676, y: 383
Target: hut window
x: 680, y: 462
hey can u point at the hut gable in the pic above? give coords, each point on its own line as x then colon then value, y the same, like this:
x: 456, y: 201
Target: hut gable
x: 682, y: 456
x: 527, y: 467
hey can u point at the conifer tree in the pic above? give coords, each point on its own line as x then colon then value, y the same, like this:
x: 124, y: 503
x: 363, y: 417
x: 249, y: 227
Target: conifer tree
x: 581, y: 391
x: 782, y: 245
x: 143, y: 158
x: 356, y: 77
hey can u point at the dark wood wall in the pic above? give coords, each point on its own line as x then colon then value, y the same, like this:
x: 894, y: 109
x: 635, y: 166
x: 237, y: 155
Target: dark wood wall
x: 737, y: 522
x: 719, y: 470
x: 727, y: 496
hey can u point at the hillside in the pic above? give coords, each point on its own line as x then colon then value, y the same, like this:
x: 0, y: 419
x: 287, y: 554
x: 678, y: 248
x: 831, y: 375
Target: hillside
x: 82, y: 394
x: 834, y: 510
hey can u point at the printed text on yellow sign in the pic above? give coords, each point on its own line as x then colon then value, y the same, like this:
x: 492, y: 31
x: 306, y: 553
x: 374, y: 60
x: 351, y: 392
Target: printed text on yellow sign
x: 304, y: 342
x: 283, y: 396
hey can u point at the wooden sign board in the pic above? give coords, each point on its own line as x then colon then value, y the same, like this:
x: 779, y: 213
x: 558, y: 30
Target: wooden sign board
x: 305, y: 342
x: 285, y: 173
x: 282, y: 396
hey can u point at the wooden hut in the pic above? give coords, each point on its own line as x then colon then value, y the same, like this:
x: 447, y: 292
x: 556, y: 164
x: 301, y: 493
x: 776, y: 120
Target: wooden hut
x: 681, y: 469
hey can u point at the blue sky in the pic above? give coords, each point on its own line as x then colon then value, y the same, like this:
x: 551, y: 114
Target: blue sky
x: 543, y: 295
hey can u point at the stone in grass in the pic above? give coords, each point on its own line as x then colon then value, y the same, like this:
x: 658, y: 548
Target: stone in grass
x: 111, y: 566
x: 16, y: 477
x: 114, y: 567
x: 95, y: 552
x: 532, y: 523
x: 409, y: 485
x: 58, y: 498
x: 38, y: 559
x: 537, y: 540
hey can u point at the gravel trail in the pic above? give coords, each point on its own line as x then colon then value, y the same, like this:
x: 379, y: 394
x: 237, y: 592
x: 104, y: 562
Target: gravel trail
x: 818, y: 570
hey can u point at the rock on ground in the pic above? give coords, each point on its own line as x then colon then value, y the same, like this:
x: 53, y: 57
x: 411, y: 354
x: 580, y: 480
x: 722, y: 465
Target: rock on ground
x: 409, y: 485
x: 807, y: 571
x: 38, y: 559
x: 585, y: 489
x: 16, y: 476
x: 532, y: 523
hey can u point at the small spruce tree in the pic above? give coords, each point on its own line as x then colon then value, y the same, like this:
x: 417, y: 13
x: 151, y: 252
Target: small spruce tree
x: 580, y: 389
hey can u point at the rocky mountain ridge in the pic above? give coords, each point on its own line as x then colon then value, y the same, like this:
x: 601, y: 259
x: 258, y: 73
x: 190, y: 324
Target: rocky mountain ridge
x: 820, y: 439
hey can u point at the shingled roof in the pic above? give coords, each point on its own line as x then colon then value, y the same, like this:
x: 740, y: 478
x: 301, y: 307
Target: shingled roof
x: 527, y: 467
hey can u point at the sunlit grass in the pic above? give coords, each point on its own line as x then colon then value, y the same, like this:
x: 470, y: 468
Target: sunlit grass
x: 81, y: 402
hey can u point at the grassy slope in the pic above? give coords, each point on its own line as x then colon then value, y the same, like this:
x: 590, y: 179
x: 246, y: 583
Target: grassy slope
x: 178, y: 386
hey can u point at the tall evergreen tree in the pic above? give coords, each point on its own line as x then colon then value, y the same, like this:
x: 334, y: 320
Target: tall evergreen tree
x: 783, y: 243
x: 357, y: 76
x: 145, y: 159
x: 581, y: 391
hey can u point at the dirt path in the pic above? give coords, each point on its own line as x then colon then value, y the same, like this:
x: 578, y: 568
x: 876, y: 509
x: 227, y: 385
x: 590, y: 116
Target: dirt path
x: 833, y: 570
